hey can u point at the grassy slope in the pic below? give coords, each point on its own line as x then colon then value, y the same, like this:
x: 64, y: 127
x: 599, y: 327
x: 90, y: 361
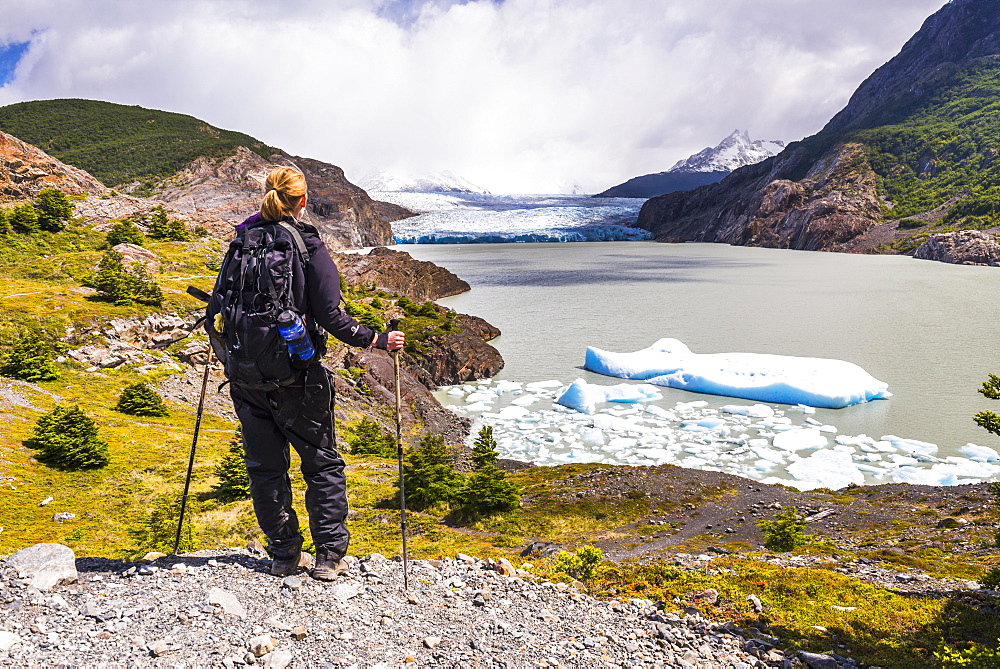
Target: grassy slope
x: 119, y: 144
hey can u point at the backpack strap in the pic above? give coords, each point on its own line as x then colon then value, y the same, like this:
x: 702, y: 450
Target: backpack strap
x: 300, y: 243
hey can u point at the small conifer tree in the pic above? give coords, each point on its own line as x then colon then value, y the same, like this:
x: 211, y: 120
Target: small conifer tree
x: 139, y: 399
x: 4, y: 222
x: 163, y: 227
x: 370, y: 439
x: 113, y: 281
x: 234, y: 482
x: 31, y: 357
x: 54, y: 209
x: 430, y: 476
x: 487, y: 489
x: 125, y: 232
x: 67, y: 439
x: 24, y: 218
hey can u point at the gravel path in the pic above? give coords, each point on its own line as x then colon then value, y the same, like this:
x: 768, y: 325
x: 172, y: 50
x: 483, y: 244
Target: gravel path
x: 222, y: 609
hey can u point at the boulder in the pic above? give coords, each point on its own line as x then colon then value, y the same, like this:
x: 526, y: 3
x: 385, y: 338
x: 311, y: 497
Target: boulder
x: 47, y: 565
x: 966, y: 247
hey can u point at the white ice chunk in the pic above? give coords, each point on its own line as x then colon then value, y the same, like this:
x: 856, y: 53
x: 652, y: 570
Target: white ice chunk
x: 660, y: 412
x: 798, y: 439
x: 584, y: 396
x: 768, y: 454
x: 526, y: 400
x: 592, y: 436
x: 915, y: 476
x: 980, y: 453
x: 828, y: 469
x: 507, y: 386
x: 754, y: 411
x: 605, y: 422
x: 969, y: 468
x: 911, y: 446
x: 542, y: 385
x: 703, y: 424
x: 472, y: 398
x: 478, y: 406
x: 817, y: 382
x: 512, y: 413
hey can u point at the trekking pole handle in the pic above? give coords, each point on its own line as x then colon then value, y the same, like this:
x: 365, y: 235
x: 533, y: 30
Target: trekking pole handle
x: 393, y: 325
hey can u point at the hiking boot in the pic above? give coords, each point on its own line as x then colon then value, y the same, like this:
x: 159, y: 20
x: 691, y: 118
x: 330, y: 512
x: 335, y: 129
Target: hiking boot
x: 329, y: 567
x: 286, y: 566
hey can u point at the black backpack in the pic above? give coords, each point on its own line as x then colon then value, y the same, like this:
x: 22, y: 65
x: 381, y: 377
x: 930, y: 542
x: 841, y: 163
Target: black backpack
x: 254, y: 286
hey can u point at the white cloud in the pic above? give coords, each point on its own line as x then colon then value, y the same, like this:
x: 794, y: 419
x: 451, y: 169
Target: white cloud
x: 520, y: 95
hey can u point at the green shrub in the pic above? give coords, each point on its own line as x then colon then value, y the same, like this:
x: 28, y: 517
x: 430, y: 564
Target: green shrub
x: 125, y: 232
x: 158, y: 530
x: 234, y: 482
x: 168, y: 229
x: 364, y: 314
x: 910, y: 224
x: 976, y: 657
x: 580, y: 565
x: 139, y: 399
x: 4, y: 222
x: 53, y: 208
x: 430, y: 476
x: 991, y: 580
x: 784, y: 533
x: 123, y: 286
x: 369, y: 439
x: 31, y: 358
x: 67, y: 439
x: 23, y: 218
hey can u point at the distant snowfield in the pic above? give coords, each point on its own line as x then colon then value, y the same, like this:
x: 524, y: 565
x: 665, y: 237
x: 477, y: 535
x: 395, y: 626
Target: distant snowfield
x: 551, y: 423
x: 463, y: 218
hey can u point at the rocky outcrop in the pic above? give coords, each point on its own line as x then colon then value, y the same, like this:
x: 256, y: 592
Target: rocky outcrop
x: 397, y: 272
x: 967, y: 247
x: 231, y: 189
x: 820, y: 193
x: 758, y: 205
x: 25, y: 170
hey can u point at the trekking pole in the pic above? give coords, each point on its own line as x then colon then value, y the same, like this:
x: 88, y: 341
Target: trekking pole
x: 394, y: 326
x: 194, y: 444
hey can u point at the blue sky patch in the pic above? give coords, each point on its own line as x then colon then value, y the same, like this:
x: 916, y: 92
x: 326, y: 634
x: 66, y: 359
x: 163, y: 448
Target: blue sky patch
x: 406, y: 12
x: 10, y: 56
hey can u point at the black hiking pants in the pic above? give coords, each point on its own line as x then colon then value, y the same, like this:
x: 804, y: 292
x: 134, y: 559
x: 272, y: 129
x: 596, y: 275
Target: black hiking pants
x: 300, y: 415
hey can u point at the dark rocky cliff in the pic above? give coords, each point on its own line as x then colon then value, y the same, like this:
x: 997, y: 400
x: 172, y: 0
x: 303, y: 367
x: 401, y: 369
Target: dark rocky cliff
x: 823, y: 193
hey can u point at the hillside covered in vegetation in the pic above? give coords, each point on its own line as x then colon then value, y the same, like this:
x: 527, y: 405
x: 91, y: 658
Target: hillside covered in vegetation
x: 120, y: 144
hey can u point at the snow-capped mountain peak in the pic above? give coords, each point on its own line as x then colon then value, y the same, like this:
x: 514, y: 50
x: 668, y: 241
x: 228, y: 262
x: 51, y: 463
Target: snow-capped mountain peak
x: 734, y: 151
x: 439, y: 182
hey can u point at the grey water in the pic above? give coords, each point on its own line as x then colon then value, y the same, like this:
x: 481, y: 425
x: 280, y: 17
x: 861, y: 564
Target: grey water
x: 927, y: 329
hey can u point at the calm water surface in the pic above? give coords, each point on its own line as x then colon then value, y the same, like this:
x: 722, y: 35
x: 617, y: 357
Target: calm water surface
x: 927, y: 329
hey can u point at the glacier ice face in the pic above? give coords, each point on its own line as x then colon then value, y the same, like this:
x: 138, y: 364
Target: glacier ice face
x: 815, y: 382
x: 468, y: 218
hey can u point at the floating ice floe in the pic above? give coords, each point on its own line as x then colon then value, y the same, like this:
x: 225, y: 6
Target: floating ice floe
x: 585, y: 397
x: 980, y: 453
x: 815, y: 382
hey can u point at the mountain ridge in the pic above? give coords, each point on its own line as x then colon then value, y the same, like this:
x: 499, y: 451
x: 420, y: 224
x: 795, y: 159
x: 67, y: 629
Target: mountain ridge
x: 708, y: 166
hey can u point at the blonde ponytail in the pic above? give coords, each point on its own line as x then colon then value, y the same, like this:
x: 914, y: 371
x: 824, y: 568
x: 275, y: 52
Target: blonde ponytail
x: 285, y: 188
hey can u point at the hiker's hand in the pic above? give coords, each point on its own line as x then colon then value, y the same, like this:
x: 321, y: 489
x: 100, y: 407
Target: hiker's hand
x: 391, y: 341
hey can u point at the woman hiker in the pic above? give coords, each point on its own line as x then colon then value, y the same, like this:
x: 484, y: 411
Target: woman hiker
x: 296, y: 409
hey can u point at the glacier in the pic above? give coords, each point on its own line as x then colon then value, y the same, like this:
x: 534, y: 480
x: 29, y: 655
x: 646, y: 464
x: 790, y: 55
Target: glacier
x: 813, y: 382
x: 469, y: 218
x: 551, y: 423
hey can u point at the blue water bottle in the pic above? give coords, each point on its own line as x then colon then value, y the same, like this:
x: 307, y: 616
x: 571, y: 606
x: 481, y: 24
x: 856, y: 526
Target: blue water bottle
x: 293, y: 331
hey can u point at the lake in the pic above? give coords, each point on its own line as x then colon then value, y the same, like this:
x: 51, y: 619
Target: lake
x: 927, y: 329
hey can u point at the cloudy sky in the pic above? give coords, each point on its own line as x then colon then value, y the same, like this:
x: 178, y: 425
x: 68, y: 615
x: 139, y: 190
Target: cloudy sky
x: 514, y: 95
